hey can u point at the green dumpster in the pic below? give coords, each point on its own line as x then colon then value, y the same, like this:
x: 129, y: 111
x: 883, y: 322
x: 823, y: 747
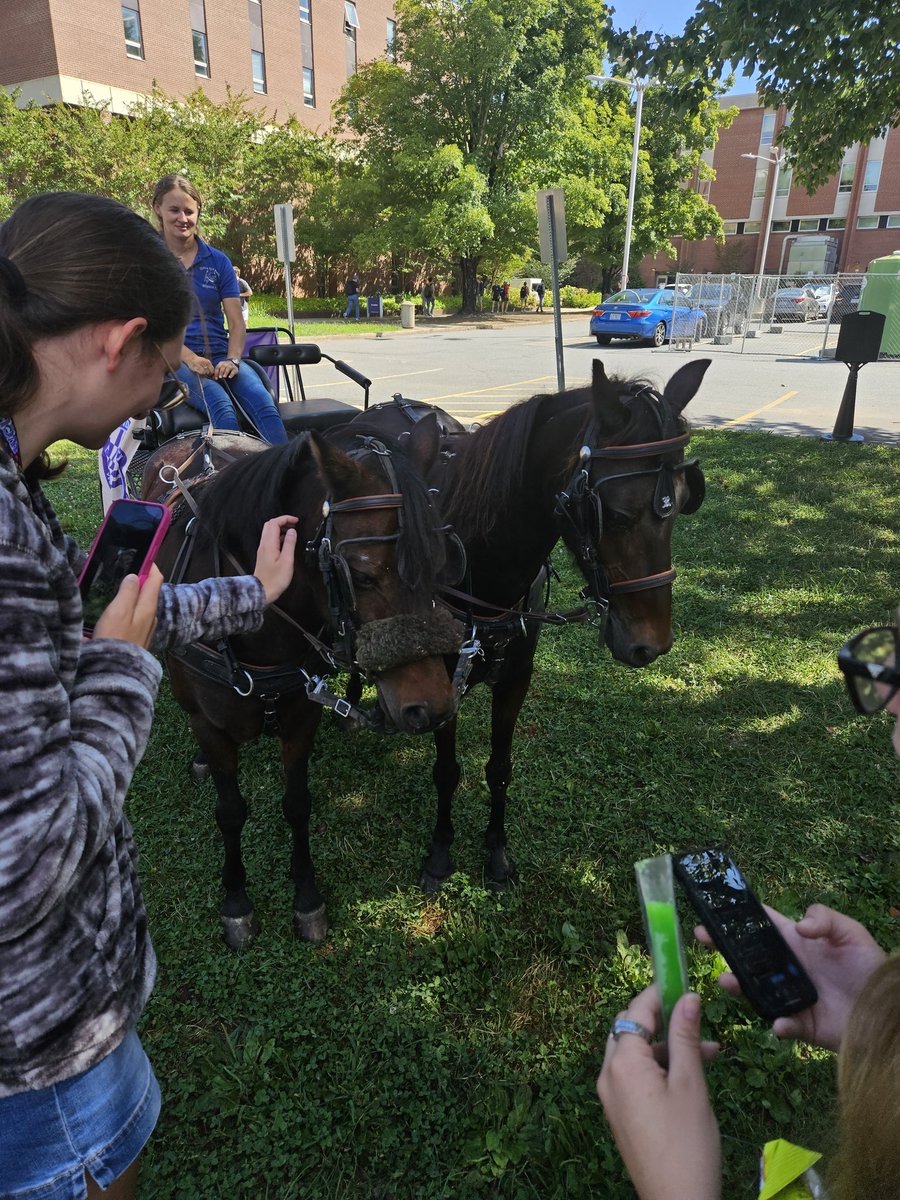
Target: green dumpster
x: 882, y: 294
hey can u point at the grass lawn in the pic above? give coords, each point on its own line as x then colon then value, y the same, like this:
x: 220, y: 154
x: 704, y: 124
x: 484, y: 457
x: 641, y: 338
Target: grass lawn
x: 268, y: 309
x: 449, y: 1048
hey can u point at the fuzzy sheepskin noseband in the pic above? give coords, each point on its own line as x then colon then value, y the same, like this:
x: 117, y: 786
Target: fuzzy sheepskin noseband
x: 394, y: 641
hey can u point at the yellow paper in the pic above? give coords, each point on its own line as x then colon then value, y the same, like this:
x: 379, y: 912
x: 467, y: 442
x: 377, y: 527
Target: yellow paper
x: 783, y: 1165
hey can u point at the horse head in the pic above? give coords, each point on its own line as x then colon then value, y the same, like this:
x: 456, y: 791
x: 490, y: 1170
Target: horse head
x: 631, y: 479
x: 379, y: 550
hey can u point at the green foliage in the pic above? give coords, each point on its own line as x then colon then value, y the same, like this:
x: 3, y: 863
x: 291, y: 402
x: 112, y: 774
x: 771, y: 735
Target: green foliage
x: 575, y: 297
x: 447, y: 1047
x: 836, y: 72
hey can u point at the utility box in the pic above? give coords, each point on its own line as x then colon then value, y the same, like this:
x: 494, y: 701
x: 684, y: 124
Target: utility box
x: 812, y: 255
x: 373, y: 306
x: 882, y: 294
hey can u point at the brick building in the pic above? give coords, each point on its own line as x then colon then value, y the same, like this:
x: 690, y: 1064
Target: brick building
x: 291, y: 56
x: 859, y: 206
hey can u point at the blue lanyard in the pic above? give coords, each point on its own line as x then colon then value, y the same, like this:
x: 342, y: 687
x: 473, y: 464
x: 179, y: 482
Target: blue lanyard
x: 9, y: 435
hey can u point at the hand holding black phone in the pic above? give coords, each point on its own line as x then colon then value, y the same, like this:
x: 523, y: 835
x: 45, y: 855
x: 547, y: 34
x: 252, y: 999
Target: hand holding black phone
x: 768, y: 971
x: 127, y: 543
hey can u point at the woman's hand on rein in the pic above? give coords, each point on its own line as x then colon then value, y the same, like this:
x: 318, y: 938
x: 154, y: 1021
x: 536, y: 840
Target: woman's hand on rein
x: 199, y: 365
x: 131, y: 616
x: 275, y: 557
x: 225, y: 370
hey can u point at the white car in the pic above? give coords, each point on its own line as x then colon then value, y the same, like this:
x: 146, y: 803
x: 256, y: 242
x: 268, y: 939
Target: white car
x: 824, y: 295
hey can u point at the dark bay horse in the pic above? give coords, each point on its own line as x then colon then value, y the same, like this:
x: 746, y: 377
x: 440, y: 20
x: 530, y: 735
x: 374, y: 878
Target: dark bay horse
x: 362, y: 596
x: 603, y: 468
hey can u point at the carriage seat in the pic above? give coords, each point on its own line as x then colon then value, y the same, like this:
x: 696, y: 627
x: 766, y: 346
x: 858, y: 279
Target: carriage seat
x: 300, y: 415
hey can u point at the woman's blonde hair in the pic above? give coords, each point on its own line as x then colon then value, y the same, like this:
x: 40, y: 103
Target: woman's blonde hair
x: 867, y: 1166
x: 175, y: 183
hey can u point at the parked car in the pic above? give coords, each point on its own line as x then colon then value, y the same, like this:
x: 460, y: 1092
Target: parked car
x: 721, y: 304
x: 647, y: 314
x: 846, y: 298
x: 792, y: 304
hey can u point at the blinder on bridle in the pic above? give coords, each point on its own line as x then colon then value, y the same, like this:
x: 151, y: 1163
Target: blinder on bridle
x: 580, y: 503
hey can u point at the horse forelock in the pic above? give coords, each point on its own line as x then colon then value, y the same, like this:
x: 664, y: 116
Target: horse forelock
x: 420, y: 548
x: 645, y: 414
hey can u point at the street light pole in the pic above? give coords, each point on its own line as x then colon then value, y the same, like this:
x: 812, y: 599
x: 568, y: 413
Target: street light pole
x: 778, y: 160
x: 638, y: 85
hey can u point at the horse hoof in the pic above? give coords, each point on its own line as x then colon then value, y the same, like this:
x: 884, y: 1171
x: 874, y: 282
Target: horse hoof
x: 199, y: 768
x: 311, y: 926
x: 239, y: 932
x: 432, y: 884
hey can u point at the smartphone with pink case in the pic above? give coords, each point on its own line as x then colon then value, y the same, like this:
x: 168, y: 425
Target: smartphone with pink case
x: 126, y: 544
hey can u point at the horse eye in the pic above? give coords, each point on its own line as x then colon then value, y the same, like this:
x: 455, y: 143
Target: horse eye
x: 363, y: 582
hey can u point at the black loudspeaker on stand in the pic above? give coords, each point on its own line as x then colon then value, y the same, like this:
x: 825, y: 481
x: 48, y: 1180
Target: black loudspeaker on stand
x: 858, y: 343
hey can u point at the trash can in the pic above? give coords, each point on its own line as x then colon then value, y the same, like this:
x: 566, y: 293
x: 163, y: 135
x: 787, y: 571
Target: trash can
x: 882, y: 294
x: 408, y: 314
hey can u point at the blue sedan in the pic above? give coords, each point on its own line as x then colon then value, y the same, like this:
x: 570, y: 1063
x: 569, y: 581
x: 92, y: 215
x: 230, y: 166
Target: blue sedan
x: 648, y: 315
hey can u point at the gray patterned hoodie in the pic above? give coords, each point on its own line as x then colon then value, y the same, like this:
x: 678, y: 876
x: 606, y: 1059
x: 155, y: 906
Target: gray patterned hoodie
x: 76, y: 962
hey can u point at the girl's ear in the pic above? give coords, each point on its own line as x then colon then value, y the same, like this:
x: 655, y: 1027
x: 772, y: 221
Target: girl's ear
x: 119, y: 335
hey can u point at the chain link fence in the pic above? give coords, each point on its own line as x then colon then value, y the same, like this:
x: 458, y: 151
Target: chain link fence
x: 797, y: 316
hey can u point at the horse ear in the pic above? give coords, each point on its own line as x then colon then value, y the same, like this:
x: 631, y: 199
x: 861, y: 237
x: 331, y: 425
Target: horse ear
x: 337, y: 470
x: 609, y: 411
x: 424, y: 444
x: 683, y: 385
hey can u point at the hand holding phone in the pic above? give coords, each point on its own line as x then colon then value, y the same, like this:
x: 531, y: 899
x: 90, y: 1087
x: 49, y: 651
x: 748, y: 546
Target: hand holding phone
x: 127, y: 543
x: 131, y: 616
x: 768, y: 971
x: 838, y: 953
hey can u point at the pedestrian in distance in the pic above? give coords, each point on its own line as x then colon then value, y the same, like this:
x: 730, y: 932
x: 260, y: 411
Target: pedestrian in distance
x: 524, y: 293
x: 504, y: 302
x: 539, y: 292
x: 479, y: 294
x: 93, y: 310
x: 496, y: 297
x: 428, y: 298
x: 211, y: 364
x: 246, y: 291
x: 351, y: 291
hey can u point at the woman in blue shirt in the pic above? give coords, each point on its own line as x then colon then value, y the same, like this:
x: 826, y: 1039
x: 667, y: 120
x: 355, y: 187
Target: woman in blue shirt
x: 211, y: 355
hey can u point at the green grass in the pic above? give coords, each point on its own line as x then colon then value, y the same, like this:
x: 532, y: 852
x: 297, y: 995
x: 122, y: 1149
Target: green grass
x: 270, y: 309
x: 448, y: 1048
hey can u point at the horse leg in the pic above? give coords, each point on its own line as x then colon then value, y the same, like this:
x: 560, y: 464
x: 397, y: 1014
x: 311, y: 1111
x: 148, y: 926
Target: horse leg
x: 310, y: 918
x: 239, y: 924
x: 438, y: 866
x: 507, y: 698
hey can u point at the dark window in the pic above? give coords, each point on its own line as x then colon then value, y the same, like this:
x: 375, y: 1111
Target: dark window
x: 201, y: 54
x: 391, y: 41
x: 309, y: 87
x: 131, y: 22
x: 351, y: 25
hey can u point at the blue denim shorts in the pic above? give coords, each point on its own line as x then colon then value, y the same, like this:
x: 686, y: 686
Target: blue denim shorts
x: 97, y: 1122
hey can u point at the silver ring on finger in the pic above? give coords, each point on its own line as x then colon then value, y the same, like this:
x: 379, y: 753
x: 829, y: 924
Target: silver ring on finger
x: 626, y: 1025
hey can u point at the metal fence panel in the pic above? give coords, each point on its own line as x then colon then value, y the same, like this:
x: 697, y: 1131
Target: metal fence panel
x: 784, y: 315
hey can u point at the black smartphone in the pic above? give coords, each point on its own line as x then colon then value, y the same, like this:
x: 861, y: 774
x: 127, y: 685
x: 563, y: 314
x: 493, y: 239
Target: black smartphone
x: 129, y: 538
x: 765, y: 966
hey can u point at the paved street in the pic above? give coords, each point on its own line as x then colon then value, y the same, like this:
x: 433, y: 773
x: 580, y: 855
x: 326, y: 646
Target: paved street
x: 477, y: 368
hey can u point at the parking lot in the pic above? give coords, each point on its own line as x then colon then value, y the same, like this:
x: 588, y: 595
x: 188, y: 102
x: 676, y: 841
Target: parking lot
x: 473, y: 369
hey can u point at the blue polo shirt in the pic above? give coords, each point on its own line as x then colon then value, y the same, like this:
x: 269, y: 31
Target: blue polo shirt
x: 213, y: 280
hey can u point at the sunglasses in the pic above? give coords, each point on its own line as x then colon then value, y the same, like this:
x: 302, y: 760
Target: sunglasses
x: 869, y: 662
x: 181, y: 392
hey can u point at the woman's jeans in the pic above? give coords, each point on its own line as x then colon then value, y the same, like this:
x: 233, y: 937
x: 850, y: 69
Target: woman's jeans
x: 209, y: 397
x: 352, y: 304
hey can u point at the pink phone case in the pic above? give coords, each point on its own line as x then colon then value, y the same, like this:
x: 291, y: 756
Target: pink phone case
x: 165, y: 517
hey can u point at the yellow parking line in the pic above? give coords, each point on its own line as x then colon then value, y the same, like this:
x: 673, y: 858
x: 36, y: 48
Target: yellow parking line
x: 765, y: 408
x: 483, y: 391
x: 310, y: 387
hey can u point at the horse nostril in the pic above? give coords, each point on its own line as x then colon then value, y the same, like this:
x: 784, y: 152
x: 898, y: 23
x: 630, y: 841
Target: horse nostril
x: 415, y: 718
x: 642, y: 655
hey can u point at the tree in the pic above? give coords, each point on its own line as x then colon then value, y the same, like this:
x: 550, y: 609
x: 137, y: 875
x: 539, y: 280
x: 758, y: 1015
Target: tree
x: 835, y: 65
x: 453, y: 136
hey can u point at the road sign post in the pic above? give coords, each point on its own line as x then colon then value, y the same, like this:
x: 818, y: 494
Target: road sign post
x: 552, y: 233
x: 284, y: 248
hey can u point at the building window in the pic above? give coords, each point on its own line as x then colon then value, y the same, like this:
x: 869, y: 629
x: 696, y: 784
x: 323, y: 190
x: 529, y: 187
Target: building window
x: 808, y: 225
x: 837, y: 222
x: 351, y: 25
x: 131, y: 22
x: 258, y: 65
x: 391, y: 41
x: 783, y: 186
x: 759, y: 182
x: 306, y: 12
x: 848, y: 170
x: 309, y: 87
x: 201, y: 54
x: 751, y: 227
x: 866, y: 222
x: 781, y: 227
x: 768, y: 129
x: 729, y: 227
x: 872, y: 176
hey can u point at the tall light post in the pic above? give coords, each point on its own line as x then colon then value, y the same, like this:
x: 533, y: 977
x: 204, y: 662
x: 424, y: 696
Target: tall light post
x: 639, y: 86
x: 777, y: 158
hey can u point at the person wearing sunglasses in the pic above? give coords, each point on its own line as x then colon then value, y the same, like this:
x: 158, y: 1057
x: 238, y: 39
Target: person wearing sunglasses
x: 93, y: 309
x: 662, y: 1119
